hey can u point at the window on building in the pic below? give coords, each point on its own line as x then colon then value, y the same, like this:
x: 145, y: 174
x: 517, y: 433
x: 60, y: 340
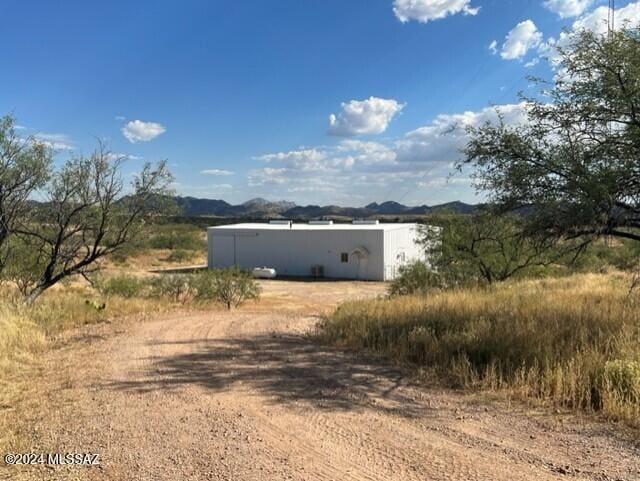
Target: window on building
x: 344, y: 257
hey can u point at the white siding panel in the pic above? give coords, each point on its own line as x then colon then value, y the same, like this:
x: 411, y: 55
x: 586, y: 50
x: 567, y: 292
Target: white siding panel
x: 401, y: 247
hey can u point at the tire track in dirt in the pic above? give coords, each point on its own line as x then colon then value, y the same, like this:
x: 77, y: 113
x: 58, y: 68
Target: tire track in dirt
x: 248, y: 395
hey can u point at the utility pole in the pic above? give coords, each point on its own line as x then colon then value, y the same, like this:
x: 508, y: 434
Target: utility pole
x: 611, y: 17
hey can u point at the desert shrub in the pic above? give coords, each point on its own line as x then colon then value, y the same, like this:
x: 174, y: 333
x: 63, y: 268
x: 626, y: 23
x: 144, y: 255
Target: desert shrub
x: 122, y: 255
x: 160, y: 235
x: 230, y: 287
x: 601, y: 255
x: 550, y: 339
x: 124, y: 286
x: 414, y: 278
x: 180, y: 255
x: 175, y: 287
x: 175, y: 236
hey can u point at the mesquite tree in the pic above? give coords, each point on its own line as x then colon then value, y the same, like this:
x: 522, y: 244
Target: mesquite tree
x: 486, y: 247
x: 86, y: 215
x: 575, y: 163
x: 24, y: 168
x: 57, y: 223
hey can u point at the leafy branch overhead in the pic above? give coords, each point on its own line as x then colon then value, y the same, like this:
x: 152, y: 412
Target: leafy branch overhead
x: 574, y: 164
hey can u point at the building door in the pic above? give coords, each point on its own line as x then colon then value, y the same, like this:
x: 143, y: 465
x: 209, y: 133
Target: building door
x: 361, y: 256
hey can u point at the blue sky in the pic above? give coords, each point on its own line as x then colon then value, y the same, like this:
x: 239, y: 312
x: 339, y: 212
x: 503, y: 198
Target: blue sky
x: 323, y: 102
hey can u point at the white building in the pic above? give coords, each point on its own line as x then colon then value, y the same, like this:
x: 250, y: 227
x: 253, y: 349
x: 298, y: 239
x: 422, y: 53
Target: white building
x: 363, y: 250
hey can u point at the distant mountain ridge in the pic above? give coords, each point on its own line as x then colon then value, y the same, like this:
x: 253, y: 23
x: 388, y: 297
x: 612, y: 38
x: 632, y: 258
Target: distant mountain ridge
x: 262, y: 208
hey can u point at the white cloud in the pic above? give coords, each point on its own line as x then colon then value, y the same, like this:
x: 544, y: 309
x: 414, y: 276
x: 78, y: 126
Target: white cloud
x: 597, y: 19
x: 522, y: 38
x: 303, y: 160
x: 55, y: 141
x: 532, y: 63
x: 358, y: 117
x: 368, y: 169
x: 121, y: 156
x: 445, y: 181
x: 493, y: 47
x: 446, y: 136
x: 139, y: 131
x: 568, y: 8
x: 426, y: 10
x: 220, y: 172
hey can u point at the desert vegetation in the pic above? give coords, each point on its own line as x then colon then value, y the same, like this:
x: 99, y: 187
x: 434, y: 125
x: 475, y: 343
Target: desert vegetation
x: 572, y: 341
x: 229, y: 287
x: 167, y: 240
x: 537, y: 293
x: 66, y: 231
x: 28, y: 331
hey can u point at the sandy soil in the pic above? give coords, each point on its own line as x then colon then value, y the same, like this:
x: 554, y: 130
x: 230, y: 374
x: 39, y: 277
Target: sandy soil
x: 249, y: 395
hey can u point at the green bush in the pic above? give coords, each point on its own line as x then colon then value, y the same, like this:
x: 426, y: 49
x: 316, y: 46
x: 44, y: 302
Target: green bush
x: 176, y: 287
x: 230, y: 287
x: 175, y: 236
x: 415, y: 278
x: 159, y: 235
x: 123, y: 286
x: 599, y: 256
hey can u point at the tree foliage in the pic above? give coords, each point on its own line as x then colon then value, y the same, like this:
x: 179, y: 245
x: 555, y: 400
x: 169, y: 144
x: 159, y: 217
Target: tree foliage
x: 485, y: 247
x: 88, y: 215
x: 415, y: 278
x: 230, y: 287
x: 58, y: 223
x: 575, y: 162
x: 24, y: 168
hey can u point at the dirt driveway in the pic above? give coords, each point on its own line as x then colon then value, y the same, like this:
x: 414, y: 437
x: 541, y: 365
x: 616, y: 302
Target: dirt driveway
x: 247, y: 395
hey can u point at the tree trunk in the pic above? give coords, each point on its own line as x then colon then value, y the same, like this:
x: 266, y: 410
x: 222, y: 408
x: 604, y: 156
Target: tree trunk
x: 34, y: 294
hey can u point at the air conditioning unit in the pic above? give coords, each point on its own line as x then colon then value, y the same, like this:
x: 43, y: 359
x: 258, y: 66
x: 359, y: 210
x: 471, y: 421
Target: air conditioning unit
x: 317, y: 271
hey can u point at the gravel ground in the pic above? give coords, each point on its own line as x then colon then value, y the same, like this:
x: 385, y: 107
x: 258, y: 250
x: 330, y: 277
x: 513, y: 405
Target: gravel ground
x: 248, y: 395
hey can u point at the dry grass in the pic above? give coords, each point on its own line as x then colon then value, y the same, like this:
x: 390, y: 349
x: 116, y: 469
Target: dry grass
x: 572, y: 341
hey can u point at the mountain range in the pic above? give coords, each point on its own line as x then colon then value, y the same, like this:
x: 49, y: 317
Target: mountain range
x: 262, y: 208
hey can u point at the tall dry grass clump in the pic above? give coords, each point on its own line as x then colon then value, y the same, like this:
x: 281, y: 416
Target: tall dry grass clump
x: 20, y: 340
x: 572, y: 340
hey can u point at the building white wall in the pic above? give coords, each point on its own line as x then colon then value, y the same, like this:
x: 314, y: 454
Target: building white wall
x: 401, y: 247
x: 293, y: 252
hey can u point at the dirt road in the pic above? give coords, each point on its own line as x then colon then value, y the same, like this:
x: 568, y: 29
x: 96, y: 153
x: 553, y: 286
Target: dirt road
x: 247, y: 395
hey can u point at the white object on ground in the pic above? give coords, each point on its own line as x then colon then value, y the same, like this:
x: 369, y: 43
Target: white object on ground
x: 264, y: 272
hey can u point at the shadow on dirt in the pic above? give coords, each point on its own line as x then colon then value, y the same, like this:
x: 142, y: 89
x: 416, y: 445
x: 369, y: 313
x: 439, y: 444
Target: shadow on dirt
x: 286, y: 368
